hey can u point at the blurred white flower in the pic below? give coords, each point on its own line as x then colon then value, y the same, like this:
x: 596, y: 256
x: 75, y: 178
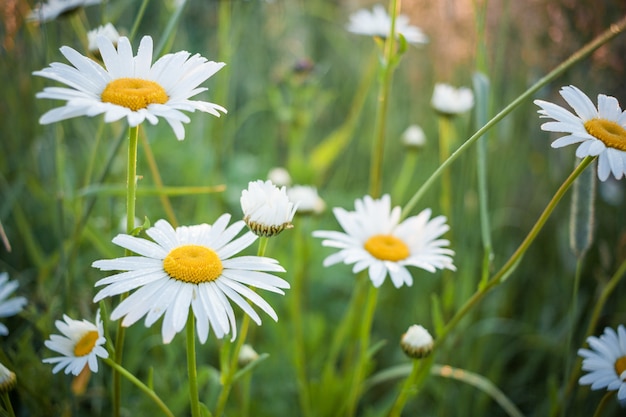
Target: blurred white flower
x: 606, y: 362
x: 9, y: 306
x: 450, y: 100
x: 378, y: 23
x: 307, y: 199
x: 108, y: 31
x: 81, y: 345
x: 417, y: 342
x: 375, y: 240
x: 266, y: 208
x: 129, y: 86
x: 7, y: 379
x: 52, y: 9
x: 279, y: 176
x: 414, y: 137
x: 247, y: 354
x: 601, y: 132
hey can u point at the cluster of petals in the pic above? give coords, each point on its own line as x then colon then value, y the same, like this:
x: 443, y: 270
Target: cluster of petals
x: 377, y: 22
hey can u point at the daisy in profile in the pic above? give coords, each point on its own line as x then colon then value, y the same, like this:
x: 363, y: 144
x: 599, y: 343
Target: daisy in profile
x: 9, y: 306
x: 189, y: 267
x: 378, y: 23
x: 266, y: 208
x: 606, y: 362
x: 449, y: 100
x: 374, y: 239
x: 81, y: 345
x: 128, y: 86
x: 44, y: 12
x: 600, y: 132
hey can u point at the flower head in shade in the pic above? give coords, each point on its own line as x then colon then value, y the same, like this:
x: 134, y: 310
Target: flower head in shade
x: 307, y: 199
x: 52, y: 9
x: 374, y: 239
x: 378, y: 23
x: 600, y: 131
x: 7, y: 379
x: 128, y: 86
x: 108, y: 31
x: 606, y: 362
x: 9, y: 306
x: 416, y: 342
x: 81, y: 345
x: 189, y: 267
x: 266, y: 208
x: 450, y: 101
x: 414, y: 137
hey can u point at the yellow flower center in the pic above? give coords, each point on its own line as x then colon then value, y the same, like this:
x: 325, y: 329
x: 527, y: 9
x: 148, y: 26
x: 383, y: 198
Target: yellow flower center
x: 193, y: 263
x: 86, y: 343
x: 610, y: 133
x: 620, y: 365
x: 387, y: 248
x: 133, y: 93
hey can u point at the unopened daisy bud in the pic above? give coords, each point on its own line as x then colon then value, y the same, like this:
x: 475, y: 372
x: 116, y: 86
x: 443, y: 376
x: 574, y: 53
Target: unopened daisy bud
x: 279, y: 176
x: 247, y: 354
x: 266, y: 208
x: 450, y: 101
x: 416, y: 342
x: 7, y: 379
x: 414, y: 137
x: 108, y: 31
x: 307, y: 199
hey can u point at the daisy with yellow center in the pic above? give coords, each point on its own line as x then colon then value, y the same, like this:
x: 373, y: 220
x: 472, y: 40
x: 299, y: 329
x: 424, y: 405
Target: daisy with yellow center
x: 606, y: 362
x: 375, y: 239
x: 600, y: 131
x: 189, y: 267
x: 81, y: 345
x: 129, y: 86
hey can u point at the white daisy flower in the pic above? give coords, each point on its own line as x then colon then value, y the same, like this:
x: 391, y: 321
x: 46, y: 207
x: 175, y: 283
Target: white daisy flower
x: 606, y: 362
x: 52, y: 9
x: 378, y: 23
x: 129, y: 86
x: 307, y: 199
x: 108, y: 31
x: 414, y: 137
x: 266, y: 208
x: 601, y: 132
x: 9, y: 306
x: 450, y: 100
x: 375, y: 240
x: 7, y: 379
x: 279, y: 176
x: 417, y: 342
x: 190, y: 266
x: 81, y: 345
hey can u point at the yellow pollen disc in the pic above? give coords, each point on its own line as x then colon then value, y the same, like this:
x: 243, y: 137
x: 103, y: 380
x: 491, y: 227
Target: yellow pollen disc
x: 193, y: 263
x: 610, y: 133
x: 387, y: 248
x: 620, y: 365
x: 133, y: 93
x: 86, y: 343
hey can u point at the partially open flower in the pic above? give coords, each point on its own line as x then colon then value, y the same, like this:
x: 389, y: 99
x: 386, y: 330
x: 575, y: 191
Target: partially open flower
x: 266, y: 208
x: 416, y: 342
x: 450, y: 101
x: 7, y: 379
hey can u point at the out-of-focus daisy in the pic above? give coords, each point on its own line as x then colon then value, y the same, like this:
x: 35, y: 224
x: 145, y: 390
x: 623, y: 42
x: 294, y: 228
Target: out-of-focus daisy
x: 307, y: 199
x: 9, y: 306
x: 606, y: 362
x: 416, y: 342
x: 52, y: 9
x: 129, y: 86
x: 375, y: 240
x: 279, y: 176
x: 190, y: 266
x: 450, y: 101
x: 81, y: 345
x: 7, y: 379
x: 378, y: 23
x: 108, y: 31
x: 414, y: 137
x: 266, y: 208
x: 601, y: 132
x: 247, y: 354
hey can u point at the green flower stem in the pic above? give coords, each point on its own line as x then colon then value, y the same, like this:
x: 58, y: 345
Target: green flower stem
x: 446, y: 140
x: 7, y: 404
x: 421, y: 369
x: 406, y: 173
x: 192, y: 372
x: 378, y: 146
x: 228, y: 374
x: 603, y: 403
x: 356, y: 387
x: 614, y: 30
x: 143, y: 387
x: 138, y: 19
x: 131, y: 190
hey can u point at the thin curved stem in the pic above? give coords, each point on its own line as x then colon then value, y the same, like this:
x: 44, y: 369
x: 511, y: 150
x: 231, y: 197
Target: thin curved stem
x: 192, y: 372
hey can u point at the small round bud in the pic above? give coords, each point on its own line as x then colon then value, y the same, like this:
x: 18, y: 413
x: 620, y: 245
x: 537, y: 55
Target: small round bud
x: 7, y: 379
x: 279, y: 176
x: 416, y: 342
x: 450, y: 101
x: 247, y: 354
x: 414, y: 137
x: 266, y: 208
